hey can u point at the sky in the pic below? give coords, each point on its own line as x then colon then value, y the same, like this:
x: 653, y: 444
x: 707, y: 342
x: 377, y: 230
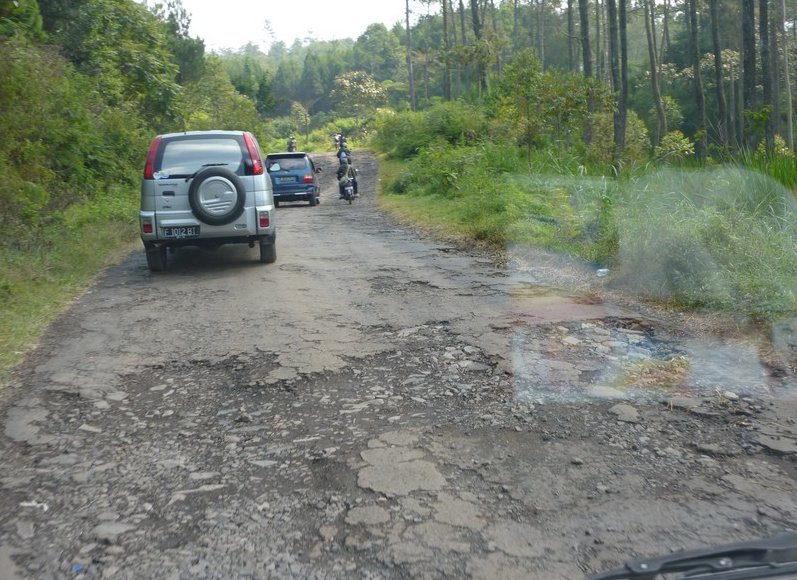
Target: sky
x: 234, y: 23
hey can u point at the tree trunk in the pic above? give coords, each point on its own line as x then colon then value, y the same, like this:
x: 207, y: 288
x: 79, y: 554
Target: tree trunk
x: 614, y: 65
x: 409, y: 58
x: 447, y: 55
x: 622, y: 107
x: 571, y: 25
x: 665, y: 31
x: 477, y: 32
x: 733, y: 132
x: 748, y: 67
x: 766, y: 71
x: 495, y: 32
x: 462, y: 22
x: 599, y: 52
x: 774, y: 53
x: 661, y: 119
x: 586, y: 55
x: 515, y: 14
x: 722, y: 109
x: 786, y: 77
x: 464, y: 32
x: 697, y: 81
x: 541, y: 33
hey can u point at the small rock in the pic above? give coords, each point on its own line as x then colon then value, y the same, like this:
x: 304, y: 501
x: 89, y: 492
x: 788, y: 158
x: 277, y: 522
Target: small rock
x: 327, y: 533
x: 731, y: 396
x: 87, y: 548
x: 368, y: 515
x: 25, y: 529
x: 599, y: 392
x: 89, y: 428
x: 716, y: 450
x: 473, y: 366
x: 778, y: 445
x: 625, y: 413
x: 108, y: 532
x: 683, y: 403
x: 203, y: 475
x: 117, y: 396
x: 577, y: 461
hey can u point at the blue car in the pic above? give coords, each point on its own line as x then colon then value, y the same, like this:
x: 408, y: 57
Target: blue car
x: 293, y: 177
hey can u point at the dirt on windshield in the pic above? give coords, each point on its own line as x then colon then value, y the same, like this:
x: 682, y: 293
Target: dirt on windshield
x: 377, y: 404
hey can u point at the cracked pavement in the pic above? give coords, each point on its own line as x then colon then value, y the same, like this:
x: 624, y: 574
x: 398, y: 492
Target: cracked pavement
x: 378, y: 405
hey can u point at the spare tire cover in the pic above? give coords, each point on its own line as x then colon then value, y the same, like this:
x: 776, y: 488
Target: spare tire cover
x: 217, y: 196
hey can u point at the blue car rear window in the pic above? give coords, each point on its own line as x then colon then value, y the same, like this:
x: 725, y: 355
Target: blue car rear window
x: 289, y: 164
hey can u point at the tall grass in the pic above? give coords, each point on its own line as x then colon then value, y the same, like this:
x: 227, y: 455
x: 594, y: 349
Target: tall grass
x: 39, y: 274
x: 722, y: 238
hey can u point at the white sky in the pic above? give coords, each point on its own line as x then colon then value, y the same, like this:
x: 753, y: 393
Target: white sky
x: 233, y: 23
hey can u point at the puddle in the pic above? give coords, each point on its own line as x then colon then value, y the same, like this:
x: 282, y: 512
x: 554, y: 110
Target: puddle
x: 627, y: 358
x: 568, y: 345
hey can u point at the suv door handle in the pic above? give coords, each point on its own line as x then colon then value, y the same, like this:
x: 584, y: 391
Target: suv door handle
x: 168, y: 193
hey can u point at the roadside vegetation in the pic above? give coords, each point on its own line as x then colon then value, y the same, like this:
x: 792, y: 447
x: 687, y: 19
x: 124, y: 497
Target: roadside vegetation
x: 674, y: 167
x: 721, y: 236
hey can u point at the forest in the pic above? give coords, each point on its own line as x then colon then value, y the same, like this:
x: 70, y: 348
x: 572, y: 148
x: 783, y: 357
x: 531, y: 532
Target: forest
x: 642, y: 136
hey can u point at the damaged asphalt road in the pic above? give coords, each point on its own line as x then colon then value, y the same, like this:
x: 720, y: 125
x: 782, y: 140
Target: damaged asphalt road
x: 376, y: 405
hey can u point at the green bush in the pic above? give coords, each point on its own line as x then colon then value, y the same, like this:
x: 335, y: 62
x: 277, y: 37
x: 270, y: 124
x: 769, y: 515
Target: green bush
x: 61, y: 144
x: 601, y: 148
x: 674, y: 148
x: 404, y: 134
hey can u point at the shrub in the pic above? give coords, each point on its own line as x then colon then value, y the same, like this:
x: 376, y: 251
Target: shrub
x: 601, y: 147
x: 404, y: 134
x: 674, y: 148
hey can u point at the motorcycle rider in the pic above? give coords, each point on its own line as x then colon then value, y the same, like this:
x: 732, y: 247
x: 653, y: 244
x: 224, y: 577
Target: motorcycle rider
x: 291, y: 143
x: 345, y: 174
x: 343, y: 149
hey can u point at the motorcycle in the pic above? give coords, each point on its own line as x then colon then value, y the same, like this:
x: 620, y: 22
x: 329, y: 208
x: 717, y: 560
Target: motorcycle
x: 348, y: 191
x: 291, y: 145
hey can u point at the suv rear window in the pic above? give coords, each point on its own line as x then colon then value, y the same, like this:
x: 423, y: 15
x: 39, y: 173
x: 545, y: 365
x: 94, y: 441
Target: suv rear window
x: 289, y: 163
x: 182, y: 157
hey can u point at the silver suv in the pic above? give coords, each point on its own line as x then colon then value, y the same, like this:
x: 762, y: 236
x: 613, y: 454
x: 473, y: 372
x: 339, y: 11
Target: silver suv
x: 206, y: 188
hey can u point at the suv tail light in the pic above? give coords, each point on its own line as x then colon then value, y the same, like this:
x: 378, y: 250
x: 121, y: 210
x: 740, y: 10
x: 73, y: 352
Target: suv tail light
x: 149, y: 167
x: 254, y: 154
x: 263, y: 220
x: 146, y: 227
x: 308, y: 178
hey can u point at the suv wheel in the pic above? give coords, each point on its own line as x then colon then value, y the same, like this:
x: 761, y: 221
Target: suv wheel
x: 156, y: 258
x: 268, y: 252
x: 217, y: 196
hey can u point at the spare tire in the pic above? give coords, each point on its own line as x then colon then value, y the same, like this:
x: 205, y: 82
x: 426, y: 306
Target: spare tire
x: 217, y: 196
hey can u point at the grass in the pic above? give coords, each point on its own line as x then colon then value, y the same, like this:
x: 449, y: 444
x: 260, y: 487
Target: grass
x: 41, y: 275
x: 721, y: 238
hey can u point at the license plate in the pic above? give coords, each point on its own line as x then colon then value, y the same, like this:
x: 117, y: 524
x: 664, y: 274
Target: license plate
x: 181, y: 232
x: 286, y: 179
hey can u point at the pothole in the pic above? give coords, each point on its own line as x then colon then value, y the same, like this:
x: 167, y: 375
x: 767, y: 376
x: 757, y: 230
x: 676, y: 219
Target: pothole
x: 626, y: 358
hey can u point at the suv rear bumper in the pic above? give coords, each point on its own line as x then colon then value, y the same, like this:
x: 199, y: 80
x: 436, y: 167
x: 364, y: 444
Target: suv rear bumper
x: 211, y: 242
x: 247, y: 231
